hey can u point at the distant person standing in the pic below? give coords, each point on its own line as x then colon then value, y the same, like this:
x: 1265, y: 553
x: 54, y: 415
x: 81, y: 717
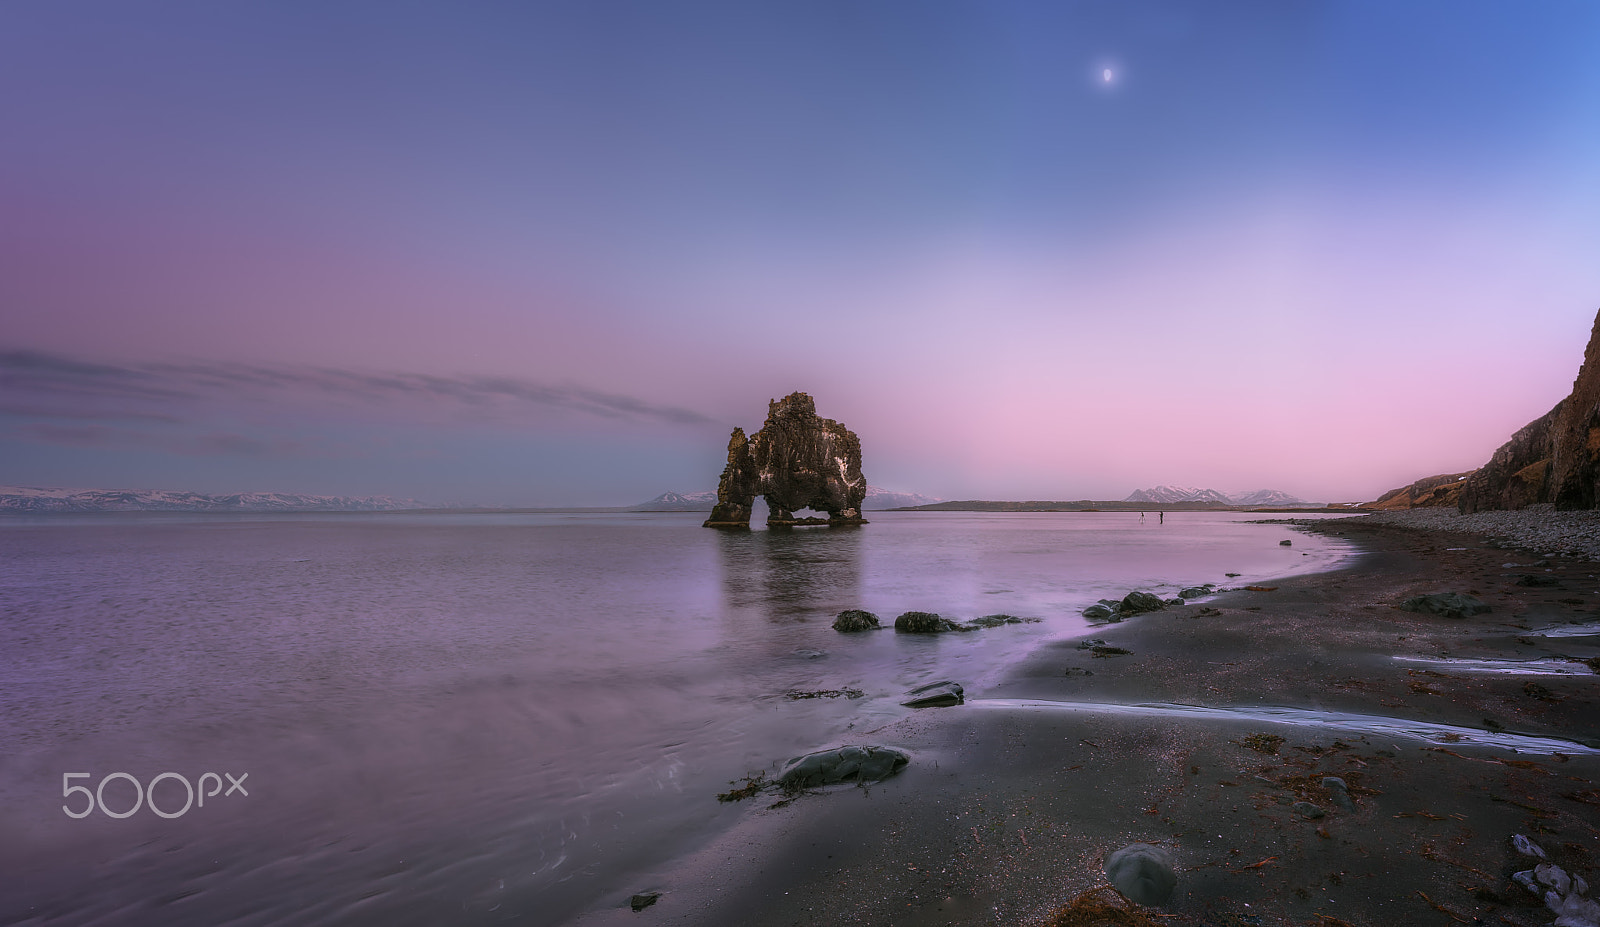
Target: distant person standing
x: 1141, y: 518
x: 1163, y: 519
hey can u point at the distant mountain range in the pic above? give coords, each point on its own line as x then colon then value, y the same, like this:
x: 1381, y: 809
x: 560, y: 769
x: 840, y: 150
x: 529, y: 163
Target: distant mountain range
x: 32, y: 499
x: 877, y: 500
x: 1167, y: 495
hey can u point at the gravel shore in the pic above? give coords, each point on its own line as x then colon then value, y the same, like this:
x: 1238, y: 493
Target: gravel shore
x: 1538, y: 527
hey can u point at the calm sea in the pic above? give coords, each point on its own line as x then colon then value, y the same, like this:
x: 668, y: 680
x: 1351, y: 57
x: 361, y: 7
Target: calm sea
x: 428, y: 719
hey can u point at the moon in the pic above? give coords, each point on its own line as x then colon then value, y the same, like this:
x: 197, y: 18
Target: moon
x: 1105, y: 75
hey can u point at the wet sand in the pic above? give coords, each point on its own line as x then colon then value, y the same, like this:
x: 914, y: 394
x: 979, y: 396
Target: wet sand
x: 1013, y: 800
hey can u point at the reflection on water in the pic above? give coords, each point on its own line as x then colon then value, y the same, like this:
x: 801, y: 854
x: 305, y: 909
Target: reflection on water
x: 789, y: 575
x: 474, y: 719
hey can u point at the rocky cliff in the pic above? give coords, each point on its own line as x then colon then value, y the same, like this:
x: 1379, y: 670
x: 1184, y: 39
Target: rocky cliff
x: 798, y: 460
x: 1429, y: 492
x: 1554, y: 458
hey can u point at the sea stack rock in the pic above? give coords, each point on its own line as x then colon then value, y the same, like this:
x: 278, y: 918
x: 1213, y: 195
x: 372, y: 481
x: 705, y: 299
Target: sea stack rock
x: 797, y: 460
x: 1554, y: 458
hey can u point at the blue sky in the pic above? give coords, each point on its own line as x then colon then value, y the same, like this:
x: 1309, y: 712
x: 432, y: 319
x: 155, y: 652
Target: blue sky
x: 1324, y: 247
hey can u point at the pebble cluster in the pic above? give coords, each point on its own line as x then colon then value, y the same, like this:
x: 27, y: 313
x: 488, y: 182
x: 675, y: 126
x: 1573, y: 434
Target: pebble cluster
x: 1537, y: 527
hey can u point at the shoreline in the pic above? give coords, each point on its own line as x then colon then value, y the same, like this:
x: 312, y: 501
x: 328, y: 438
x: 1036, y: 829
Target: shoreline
x: 1006, y: 812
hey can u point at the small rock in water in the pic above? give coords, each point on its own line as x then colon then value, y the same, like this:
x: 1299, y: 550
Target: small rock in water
x: 854, y: 619
x: 863, y: 764
x: 810, y: 654
x: 1231, y: 575
x: 1143, y: 873
x: 923, y: 623
x: 1447, y: 604
x: 995, y: 621
x: 1526, y: 847
x: 644, y: 900
x: 1195, y: 592
x: 1099, y: 611
x: 1285, y: 543
x: 936, y: 695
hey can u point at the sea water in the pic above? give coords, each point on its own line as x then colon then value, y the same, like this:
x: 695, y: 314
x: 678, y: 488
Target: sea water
x: 424, y: 719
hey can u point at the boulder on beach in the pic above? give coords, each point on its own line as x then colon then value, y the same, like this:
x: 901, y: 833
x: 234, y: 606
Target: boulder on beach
x: 1142, y: 873
x: 941, y: 694
x: 1447, y: 604
x: 924, y: 623
x: 1195, y: 592
x: 1135, y: 603
x: 825, y: 767
x: 854, y: 619
x: 1103, y: 610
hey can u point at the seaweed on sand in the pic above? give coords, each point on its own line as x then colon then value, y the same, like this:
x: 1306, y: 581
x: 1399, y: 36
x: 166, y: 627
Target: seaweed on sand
x: 1099, y: 907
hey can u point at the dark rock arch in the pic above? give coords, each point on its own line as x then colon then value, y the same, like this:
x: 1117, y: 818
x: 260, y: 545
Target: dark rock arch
x: 797, y: 460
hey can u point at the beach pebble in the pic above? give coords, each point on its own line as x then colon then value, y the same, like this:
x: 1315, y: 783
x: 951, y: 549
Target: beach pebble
x: 1091, y: 643
x: 1339, y: 792
x: 643, y: 900
x: 1077, y: 671
x: 936, y: 695
x: 1526, y: 880
x: 1525, y: 846
x: 854, y: 619
x: 1448, y: 604
x: 863, y: 764
x: 1143, y: 873
x: 1553, y: 876
x: 1574, y: 910
x: 1307, y: 810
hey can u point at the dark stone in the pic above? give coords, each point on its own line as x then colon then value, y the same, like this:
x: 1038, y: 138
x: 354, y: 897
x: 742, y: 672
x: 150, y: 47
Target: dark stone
x: 1076, y: 671
x: 643, y: 900
x: 1099, y: 612
x: 1195, y: 592
x: 854, y: 619
x: 862, y: 764
x: 924, y: 623
x: 1142, y: 873
x: 796, y: 461
x: 1091, y: 643
x: 995, y: 621
x: 1285, y: 543
x: 1448, y: 604
x: 1307, y: 810
x: 936, y: 695
x: 1532, y: 579
x: 1339, y: 792
x: 1135, y: 603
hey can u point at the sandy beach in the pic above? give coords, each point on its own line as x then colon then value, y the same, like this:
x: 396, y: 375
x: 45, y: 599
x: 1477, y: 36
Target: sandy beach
x: 1012, y: 801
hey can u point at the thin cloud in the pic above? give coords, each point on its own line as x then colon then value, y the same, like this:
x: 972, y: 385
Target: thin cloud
x: 100, y: 437
x: 80, y: 389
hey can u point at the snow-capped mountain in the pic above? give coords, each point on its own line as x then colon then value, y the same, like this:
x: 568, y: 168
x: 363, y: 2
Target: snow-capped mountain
x: 34, y: 499
x: 1167, y: 495
x: 876, y: 501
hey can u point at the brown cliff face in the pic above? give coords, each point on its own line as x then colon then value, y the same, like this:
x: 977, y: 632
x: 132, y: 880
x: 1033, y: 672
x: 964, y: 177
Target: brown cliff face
x: 1430, y: 492
x: 797, y: 460
x: 1516, y: 476
x: 1574, y: 481
x: 1554, y: 458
